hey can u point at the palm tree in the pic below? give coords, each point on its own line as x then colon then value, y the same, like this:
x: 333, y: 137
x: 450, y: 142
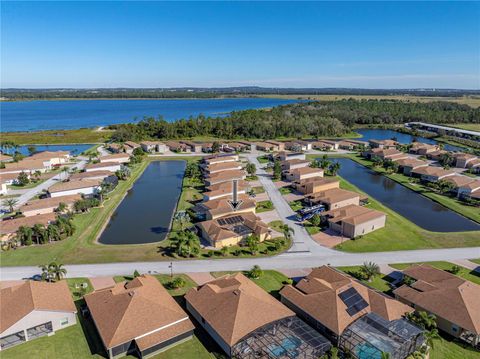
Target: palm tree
x: 10, y: 203
x: 39, y: 232
x: 334, y: 168
x: 53, y: 232
x: 57, y: 270
x: 287, y: 231
x: 385, y: 355
x: 182, y: 218
x: 430, y: 336
x: 252, y: 243
x: 187, y: 244
x: 370, y: 270
x: 37, y: 174
x: 46, y: 272
x: 24, y: 234
x: 61, y: 207
x: 324, y: 162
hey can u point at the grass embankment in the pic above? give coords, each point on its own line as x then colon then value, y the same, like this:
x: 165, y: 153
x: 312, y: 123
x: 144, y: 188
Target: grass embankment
x: 58, y: 137
x: 465, y: 273
x: 467, y: 126
x: 449, y: 202
x: 401, y: 234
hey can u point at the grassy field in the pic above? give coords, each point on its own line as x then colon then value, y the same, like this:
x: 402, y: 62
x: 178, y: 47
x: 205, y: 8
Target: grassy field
x: 379, y: 282
x: 465, y: 100
x: 475, y: 261
x: 450, y: 202
x: 406, y: 236
x: 465, y: 273
x: 468, y: 126
x: 83, y: 135
x: 264, y: 206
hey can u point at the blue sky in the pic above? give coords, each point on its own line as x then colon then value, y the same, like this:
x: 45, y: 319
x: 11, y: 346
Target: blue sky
x: 280, y: 44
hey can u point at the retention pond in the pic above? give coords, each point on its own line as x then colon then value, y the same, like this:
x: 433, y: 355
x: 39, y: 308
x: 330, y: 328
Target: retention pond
x: 420, y: 210
x: 145, y: 214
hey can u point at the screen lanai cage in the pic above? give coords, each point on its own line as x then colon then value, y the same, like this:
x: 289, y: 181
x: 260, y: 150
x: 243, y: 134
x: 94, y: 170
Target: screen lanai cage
x: 285, y: 338
x: 370, y: 335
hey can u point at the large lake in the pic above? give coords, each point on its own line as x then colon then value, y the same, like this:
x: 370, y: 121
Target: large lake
x: 413, y: 206
x: 145, y: 214
x: 71, y: 114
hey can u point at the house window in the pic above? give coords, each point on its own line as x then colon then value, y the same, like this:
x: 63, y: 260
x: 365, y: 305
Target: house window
x: 455, y: 328
x: 64, y: 321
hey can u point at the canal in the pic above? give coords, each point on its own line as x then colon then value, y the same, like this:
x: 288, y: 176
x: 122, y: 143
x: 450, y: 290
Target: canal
x: 404, y: 138
x: 413, y: 206
x: 145, y: 214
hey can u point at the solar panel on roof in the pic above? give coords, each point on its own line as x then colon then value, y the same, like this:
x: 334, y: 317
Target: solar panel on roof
x: 353, y: 300
x: 221, y: 222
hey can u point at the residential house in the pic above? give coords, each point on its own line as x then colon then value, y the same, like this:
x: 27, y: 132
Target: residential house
x: 355, y: 317
x: 26, y: 165
x: 423, y: 149
x: 453, y: 300
x: 86, y: 187
x: 470, y: 190
x: 294, y: 164
x: 266, y: 147
x: 119, y: 158
x: 103, y: 166
x: 129, y: 146
x: 226, y: 176
x: 221, y: 167
x: 407, y: 165
x: 100, y: 174
x: 436, y: 155
x: 56, y: 158
x: 9, y: 227
x: 474, y: 165
x: 300, y: 174
x: 153, y: 146
x: 195, y: 147
x: 352, y: 221
x: 334, y: 198
x: 458, y: 181
x: 383, y: 144
x: 224, y: 189
x: 48, y: 205
x: 350, y: 145
x: 33, y: 310
x: 233, y: 229
x: 138, y: 318
x: 236, y: 147
x: 326, y: 144
x: 297, y: 146
x: 247, y: 322
x: 176, y: 146
x: 220, y: 158
x: 463, y: 159
x: 279, y: 146
x: 115, y: 147
x: 432, y: 174
x: 288, y: 156
x: 221, y: 207
x: 385, y: 154
x: 316, y: 184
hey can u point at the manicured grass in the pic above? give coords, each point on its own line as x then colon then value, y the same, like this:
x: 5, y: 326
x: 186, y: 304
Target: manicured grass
x: 467, y: 126
x: 276, y: 225
x: 165, y: 279
x: 311, y: 229
x: 263, y: 159
x: 378, y: 282
x: 258, y: 190
x: 475, y: 260
x: 465, y: 273
x: 264, y: 206
x: 450, y: 202
x: 406, y: 236
x: 74, y: 284
x: 295, y: 205
x: 251, y: 178
x: 444, y: 348
x: 83, y: 135
x: 285, y: 190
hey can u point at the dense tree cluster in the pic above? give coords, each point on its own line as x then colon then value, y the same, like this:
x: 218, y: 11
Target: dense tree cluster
x: 312, y: 119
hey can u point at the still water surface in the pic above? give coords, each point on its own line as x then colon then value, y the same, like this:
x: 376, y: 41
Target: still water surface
x: 413, y: 206
x: 145, y: 213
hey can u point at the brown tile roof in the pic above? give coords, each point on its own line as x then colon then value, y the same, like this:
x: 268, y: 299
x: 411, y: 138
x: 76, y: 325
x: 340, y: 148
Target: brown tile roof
x: 443, y: 294
x: 317, y: 295
x: 101, y: 165
x: 223, y: 166
x: 46, y: 155
x: 459, y: 181
x: 411, y: 162
x: 151, y: 143
x: 384, y: 142
x: 131, y: 310
x: 90, y: 174
x: 12, y: 225
x: 464, y: 156
x: 217, y: 231
x: 318, y: 180
x: 226, y: 175
x: 353, y: 214
x: 51, y: 202
x: 132, y: 144
x: 420, y: 145
x: 295, y: 161
x: 218, y: 159
x: 306, y: 170
x: 115, y: 156
x: 234, y: 306
x: 472, y: 185
x: 25, y: 165
x: 75, y: 184
x: 220, y: 206
x: 227, y: 186
x: 5, y: 177
x: 4, y: 157
x: 433, y: 171
x: 20, y: 300
x: 334, y: 195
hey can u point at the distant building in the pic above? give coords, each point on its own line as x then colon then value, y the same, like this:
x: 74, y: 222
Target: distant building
x: 423, y: 149
x: 407, y: 165
x: 33, y: 310
x: 303, y: 173
x: 48, y: 205
x: 117, y: 158
x: 103, y: 166
x: 86, y: 187
x: 220, y: 207
x: 383, y: 144
x: 334, y: 198
x: 153, y: 146
x: 432, y: 174
x: 9, y: 227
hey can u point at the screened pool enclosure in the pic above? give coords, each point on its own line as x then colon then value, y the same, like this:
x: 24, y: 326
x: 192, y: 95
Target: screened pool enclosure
x: 285, y: 338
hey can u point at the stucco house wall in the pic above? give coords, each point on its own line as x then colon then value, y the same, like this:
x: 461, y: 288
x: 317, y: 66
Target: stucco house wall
x: 85, y: 191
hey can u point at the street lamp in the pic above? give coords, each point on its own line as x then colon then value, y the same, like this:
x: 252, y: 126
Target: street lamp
x: 171, y: 269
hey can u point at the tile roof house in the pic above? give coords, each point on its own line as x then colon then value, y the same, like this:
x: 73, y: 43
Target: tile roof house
x: 408, y: 164
x: 103, y: 166
x: 436, y: 155
x: 463, y: 159
x: 471, y: 190
x: 10, y: 226
x: 87, y: 187
x: 384, y: 144
x: 26, y: 165
x: 233, y: 229
x: 453, y: 300
x: 287, y: 156
x: 316, y: 184
x: 244, y: 319
x: 226, y: 176
x: 303, y: 173
x: 279, y: 146
x: 423, y: 149
x: 56, y: 158
x: 210, y: 160
x: 318, y: 299
x: 292, y: 164
x: 385, y: 154
x: 138, y: 317
x: 335, y: 198
x: 266, y: 147
x: 224, y: 189
x: 223, y: 166
x: 153, y: 146
x: 100, y: 174
x: 176, y: 146
x: 48, y: 205
x: 34, y: 309
x: 459, y: 181
x: 116, y: 157
x: 352, y: 220
x: 431, y: 173
x: 5, y: 158
x: 220, y: 207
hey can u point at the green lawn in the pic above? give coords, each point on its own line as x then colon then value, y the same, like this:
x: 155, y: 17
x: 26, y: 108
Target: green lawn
x: 264, y: 206
x: 406, y: 236
x: 296, y: 205
x: 165, y: 279
x: 263, y: 159
x: 447, y: 349
x: 450, y: 202
x: 258, y: 190
x: 475, y: 260
x: 285, y: 190
x: 83, y: 135
x: 467, y: 126
x: 465, y: 273
x: 74, y: 284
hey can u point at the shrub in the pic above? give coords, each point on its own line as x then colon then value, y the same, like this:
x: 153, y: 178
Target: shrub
x: 177, y: 283
x: 288, y: 281
x: 256, y: 272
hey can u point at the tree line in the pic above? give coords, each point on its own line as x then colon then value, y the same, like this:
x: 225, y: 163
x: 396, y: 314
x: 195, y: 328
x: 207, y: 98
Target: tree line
x: 306, y: 119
